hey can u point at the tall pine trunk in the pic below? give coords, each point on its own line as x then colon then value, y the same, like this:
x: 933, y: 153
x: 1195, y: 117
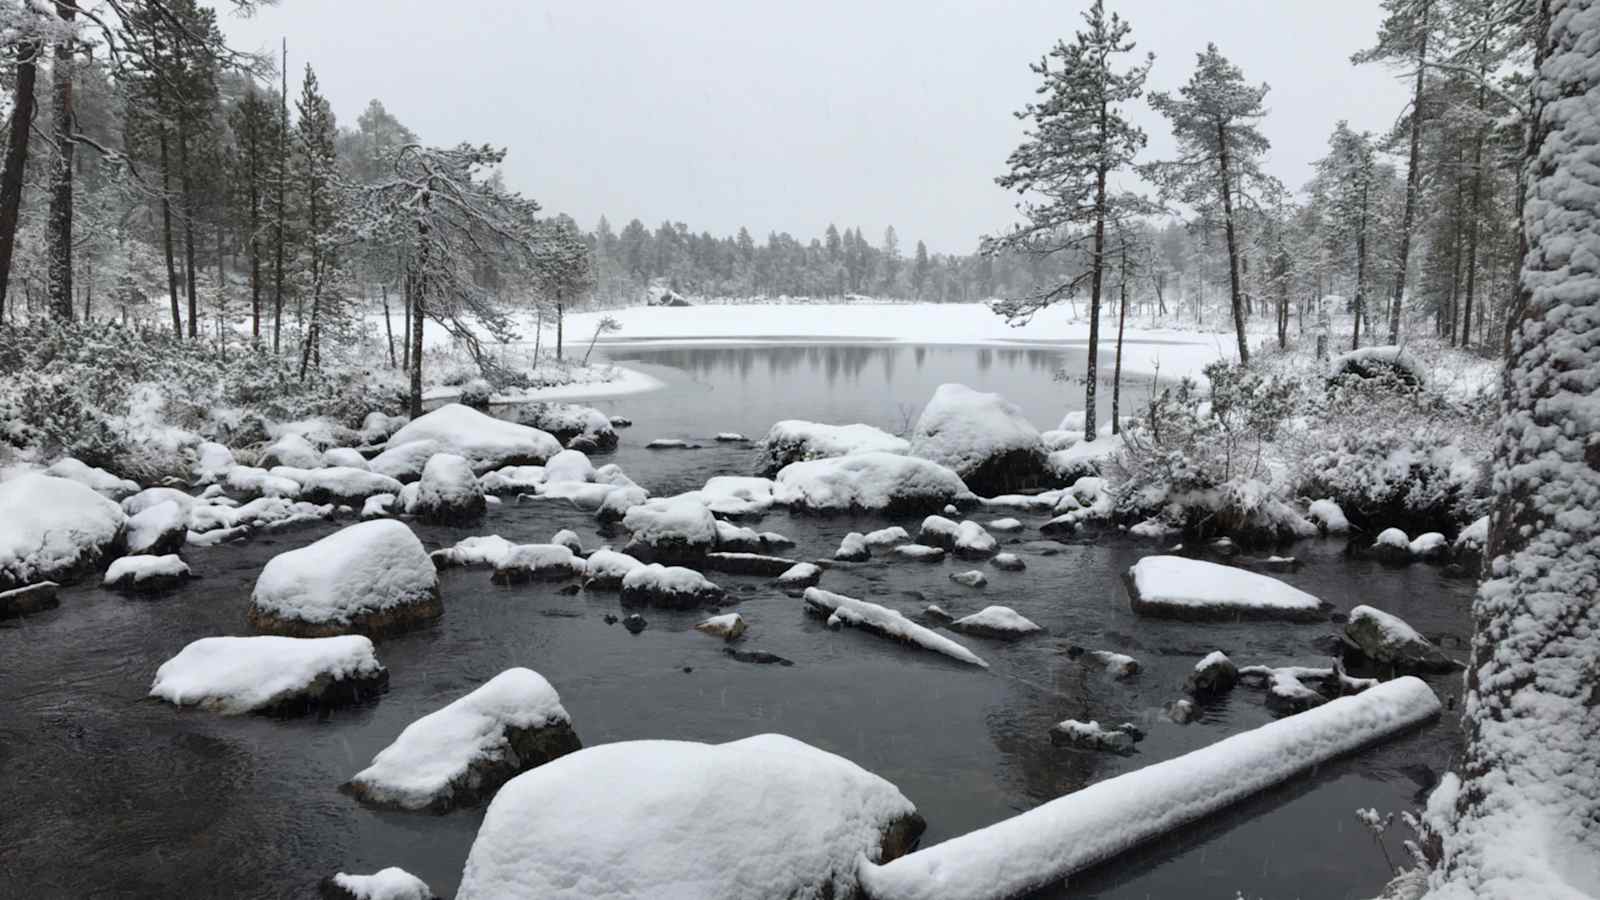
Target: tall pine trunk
x: 1413, y: 177
x: 1091, y: 375
x: 60, y: 228
x: 166, y: 230
x: 282, y: 210
x: 418, y: 302
x: 1237, y: 293
x: 16, y: 157
x: 253, y: 145
x: 1122, y: 321
x: 1361, y: 270
x: 184, y: 185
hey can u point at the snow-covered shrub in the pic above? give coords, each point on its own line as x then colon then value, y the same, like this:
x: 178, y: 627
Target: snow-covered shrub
x: 1387, y: 477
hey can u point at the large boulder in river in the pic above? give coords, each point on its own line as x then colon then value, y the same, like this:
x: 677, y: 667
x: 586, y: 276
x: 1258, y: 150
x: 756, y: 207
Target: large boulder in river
x: 371, y: 578
x: 796, y: 440
x: 487, y: 443
x: 146, y: 574
x: 1174, y: 587
x: 462, y: 753
x: 869, y: 482
x: 53, y: 529
x: 671, y: 529
x: 672, y: 587
x: 158, y: 530
x: 981, y: 437
x: 1387, y: 640
x: 767, y: 816
x: 271, y: 674
x: 97, y: 480
x: 448, y: 493
x: 568, y: 422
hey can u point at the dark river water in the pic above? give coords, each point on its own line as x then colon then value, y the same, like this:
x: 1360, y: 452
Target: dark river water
x: 110, y: 794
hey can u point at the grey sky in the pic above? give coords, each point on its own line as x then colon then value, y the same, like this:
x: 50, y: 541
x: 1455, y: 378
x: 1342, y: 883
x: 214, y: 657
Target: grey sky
x: 786, y: 116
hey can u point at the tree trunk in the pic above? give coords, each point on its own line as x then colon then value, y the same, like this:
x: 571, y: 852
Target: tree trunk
x: 1528, y: 803
x: 561, y: 319
x: 388, y: 328
x: 418, y: 301
x: 16, y: 157
x: 405, y: 332
x: 60, y: 234
x: 166, y: 232
x: 222, y: 295
x: 1413, y: 177
x: 1237, y: 294
x: 1472, y: 234
x: 254, y: 149
x: 1116, y: 368
x: 282, y: 210
x: 1361, y: 271
x: 188, y: 225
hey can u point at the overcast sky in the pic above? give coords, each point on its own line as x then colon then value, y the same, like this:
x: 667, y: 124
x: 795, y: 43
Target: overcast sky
x: 788, y: 116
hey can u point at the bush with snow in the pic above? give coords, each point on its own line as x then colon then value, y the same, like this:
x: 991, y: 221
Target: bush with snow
x: 52, y: 529
x: 268, y: 673
x: 869, y: 482
x: 981, y: 437
x: 796, y: 440
x: 1380, y: 476
x: 463, y: 752
x: 448, y: 492
x: 370, y: 578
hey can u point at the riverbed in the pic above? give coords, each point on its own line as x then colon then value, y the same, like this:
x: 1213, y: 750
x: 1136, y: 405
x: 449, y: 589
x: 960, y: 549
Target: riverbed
x: 112, y: 794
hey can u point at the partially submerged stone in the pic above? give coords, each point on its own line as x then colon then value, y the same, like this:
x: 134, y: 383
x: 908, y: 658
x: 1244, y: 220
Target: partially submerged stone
x: 1117, y: 665
x: 972, y: 579
x: 672, y: 587
x: 393, y: 883
x: 1387, y: 640
x: 157, y: 530
x: 568, y: 422
x: 1001, y: 622
x: 796, y: 440
x: 538, y: 562
x: 478, y: 550
x: 747, y: 564
x: 1212, y: 676
x: 448, y: 492
x: 838, y: 610
x: 1093, y: 736
x: 1009, y: 562
x: 1180, y: 588
x: 868, y: 482
x: 919, y: 552
x: 270, y: 674
x: 800, y: 575
x: 147, y: 573
x: 34, y: 598
x: 981, y: 437
x: 671, y: 529
x: 462, y: 753
x: 54, y: 529
x: 487, y: 443
x: 608, y: 567
x: 728, y: 626
x: 853, y: 548
x: 1293, y: 689
x: 371, y: 578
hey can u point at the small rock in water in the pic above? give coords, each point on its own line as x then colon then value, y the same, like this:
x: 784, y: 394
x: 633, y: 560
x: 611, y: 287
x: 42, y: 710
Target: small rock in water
x: 756, y: 656
x: 635, y: 623
x: 951, y: 510
x: 393, y: 883
x: 920, y: 552
x: 938, y: 613
x: 731, y: 437
x: 1009, y: 562
x: 609, y: 619
x: 671, y: 444
x: 1118, y: 665
x: 853, y: 548
x: 973, y: 579
x: 800, y: 575
x: 1091, y: 736
x: 31, y: 599
x: 621, y: 422
x: 728, y: 627
x: 1005, y: 525
x: 1223, y: 546
x: 1181, y: 711
x: 569, y: 589
x: 1212, y: 676
x: 568, y: 538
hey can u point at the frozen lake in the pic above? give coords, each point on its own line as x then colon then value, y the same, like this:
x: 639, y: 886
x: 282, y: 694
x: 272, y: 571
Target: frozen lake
x: 110, y: 793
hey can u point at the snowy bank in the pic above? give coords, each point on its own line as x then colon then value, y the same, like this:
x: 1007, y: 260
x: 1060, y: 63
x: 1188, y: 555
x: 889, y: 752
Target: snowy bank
x: 1049, y: 843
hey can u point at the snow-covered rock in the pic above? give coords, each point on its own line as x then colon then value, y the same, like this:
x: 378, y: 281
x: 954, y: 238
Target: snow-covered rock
x: 337, y: 484
x: 250, y: 481
x: 462, y: 753
x: 981, y: 437
x: 972, y: 578
x: 973, y: 542
x: 1473, y: 538
x: 344, y: 457
x: 869, y: 482
x: 212, y: 462
x: 370, y: 578
x: 728, y: 626
x: 1001, y: 622
x: 735, y: 538
x: 1328, y: 516
x: 569, y: 539
x: 485, y: 442
x: 853, y: 548
x: 1212, y: 676
x: 568, y: 422
x: 538, y: 562
x: 478, y: 550
x: 1094, y: 736
x: 513, y: 480
x: 34, y: 598
x: 378, y: 506
x: 887, y: 537
x: 1288, y: 690
x: 404, y: 462
x: 763, y: 817
x: 938, y: 531
x: 1118, y: 665
x: 155, y: 496
x: 919, y: 552
x: 837, y: 609
x: 608, y: 567
x: 1009, y: 562
x: 1370, y: 362
x: 53, y: 529
x: 268, y: 673
x: 448, y: 492
x: 158, y: 530
x: 673, y: 587
x: 737, y: 496
x: 1429, y: 546
x: 569, y: 465
x: 393, y: 883
x: 1083, y: 459
x: 795, y: 440
x: 671, y: 529
x: 1089, y: 826
x: 377, y: 426
x: 800, y: 575
x: 1392, y: 545
x: 146, y: 573
x: 746, y: 563
x: 1386, y: 639
x: 1180, y: 588
x: 98, y: 480
x: 291, y: 450
x: 1005, y: 525
x: 671, y: 444
x: 616, y: 501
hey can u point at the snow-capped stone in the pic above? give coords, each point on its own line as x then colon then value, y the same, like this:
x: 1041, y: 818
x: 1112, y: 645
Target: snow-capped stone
x: 1117, y: 665
x: 635, y: 623
x: 616, y: 502
x: 767, y: 816
x: 485, y: 442
x: 671, y: 529
x: 671, y: 444
x: 735, y: 538
x: 1287, y: 690
x: 608, y: 567
x: 730, y: 437
x: 569, y: 465
x: 1009, y: 562
x: 973, y: 542
x: 393, y: 883
x: 1429, y: 546
x: 1473, y: 538
x: 404, y: 462
x: 1180, y: 588
x: 1328, y: 516
x: 478, y: 550
x: 972, y: 579
x: 158, y: 530
x: 253, y: 482
x: 837, y: 609
x: 344, y: 457
x: 538, y: 562
x: 53, y: 529
x: 34, y: 598
x: 463, y: 752
x: 800, y: 575
x: 887, y: 537
x: 736, y: 496
x: 146, y: 573
x: 234, y: 675
x: 982, y: 437
x: 1005, y: 526
x: 378, y: 506
x: 568, y: 422
x: 1088, y: 826
x: 868, y: 482
x: 1093, y: 736
x: 1212, y: 676
x: 337, y: 484
x: 938, y: 531
x: 853, y: 548
x: 1083, y: 459
x: 1059, y: 439
x: 795, y: 440
x: 1182, y: 711
x: 672, y: 587
x: 569, y: 539
x: 919, y: 552
x: 1001, y: 622
x: 448, y: 492
x: 155, y: 496
x: 746, y: 563
x: 1392, y: 545
x: 513, y: 479
x: 370, y: 578
x: 938, y: 614
x: 621, y: 422
x: 291, y: 450
x: 98, y: 480
x: 728, y: 626
x: 212, y: 462
x: 377, y: 426
x: 1387, y: 639
x: 1369, y: 362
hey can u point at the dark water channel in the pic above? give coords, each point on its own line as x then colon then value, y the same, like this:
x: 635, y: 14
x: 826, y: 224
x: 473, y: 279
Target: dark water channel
x: 109, y: 794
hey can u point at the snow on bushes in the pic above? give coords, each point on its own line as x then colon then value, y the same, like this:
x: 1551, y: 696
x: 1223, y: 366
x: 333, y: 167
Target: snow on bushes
x: 52, y: 529
x: 234, y: 675
x: 837, y: 609
x: 1379, y: 362
x: 371, y: 578
x: 767, y: 816
x: 869, y: 482
x: 795, y: 440
x: 981, y: 437
x: 485, y: 442
x: 1381, y: 477
x: 1180, y: 588
x: 462, y: 753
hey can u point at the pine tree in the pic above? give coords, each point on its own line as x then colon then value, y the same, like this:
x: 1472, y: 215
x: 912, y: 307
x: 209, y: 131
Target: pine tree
x: 26, y: 49
x: 1347, y: 184
x: 1214, y: 118
x: 316, y: 173
x: 1080, y: 138
x: 919, y: 270
x: 61, y: 77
